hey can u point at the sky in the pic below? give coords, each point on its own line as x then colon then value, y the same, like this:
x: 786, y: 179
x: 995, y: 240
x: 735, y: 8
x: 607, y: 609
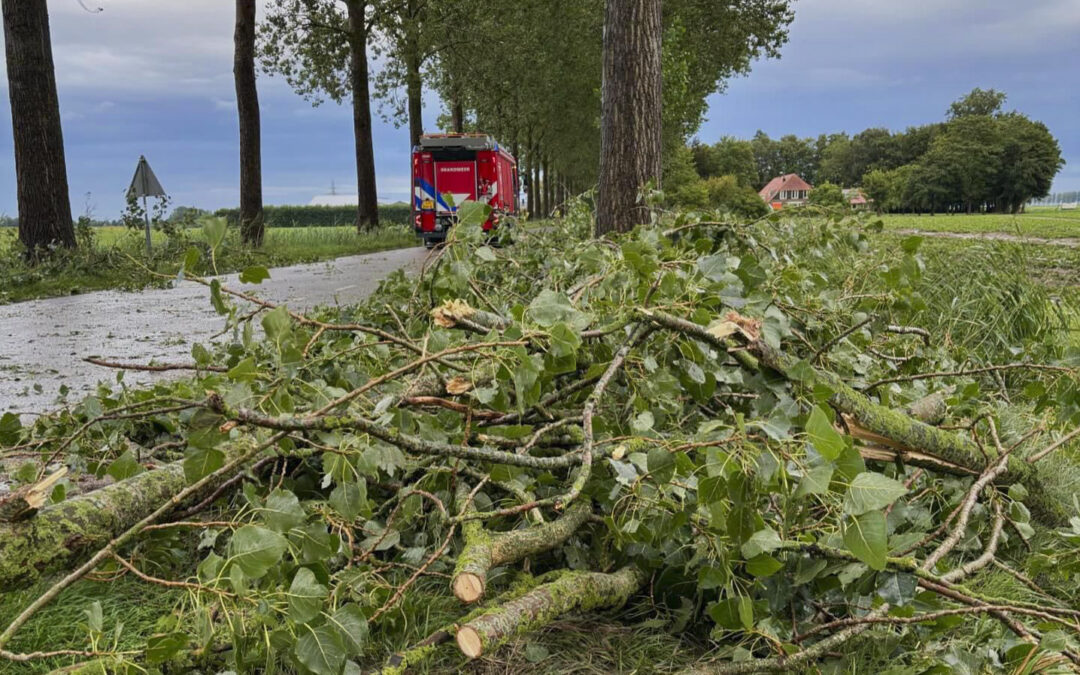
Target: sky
x: 154, y: 78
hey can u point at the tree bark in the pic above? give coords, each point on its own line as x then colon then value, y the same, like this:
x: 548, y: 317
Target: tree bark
x: 413, y: 82
x: 40, y: 167
x: 630, y: 117
x: 572, y: 591
x: 457, y: 116
x: 536, y: 205
x: 247, y: 108
x: 485, y: 550
x: 61, y: 535
x: 367, y: 208
x: 547, y: 185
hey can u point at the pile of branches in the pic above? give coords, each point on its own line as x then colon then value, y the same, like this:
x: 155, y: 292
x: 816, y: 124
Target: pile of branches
x: 728, y: 422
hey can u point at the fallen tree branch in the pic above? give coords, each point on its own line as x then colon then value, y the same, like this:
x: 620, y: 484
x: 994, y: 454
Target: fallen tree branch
x: 901, y: 431
x: 126, y: 535
x: 388, y: 435
x: 971, y: 371
x: 154, y: 367
x: 484, y: 550
x: 61, y: 534
x: 582, y: 591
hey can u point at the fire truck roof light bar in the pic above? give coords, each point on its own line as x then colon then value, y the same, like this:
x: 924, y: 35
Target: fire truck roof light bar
x: 463, y: 141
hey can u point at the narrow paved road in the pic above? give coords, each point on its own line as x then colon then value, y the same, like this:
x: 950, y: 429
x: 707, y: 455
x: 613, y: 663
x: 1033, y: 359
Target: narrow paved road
x: 43, y: 342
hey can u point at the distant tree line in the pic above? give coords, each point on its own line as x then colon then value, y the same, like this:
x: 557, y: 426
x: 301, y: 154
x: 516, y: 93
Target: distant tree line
x: 979, y: 159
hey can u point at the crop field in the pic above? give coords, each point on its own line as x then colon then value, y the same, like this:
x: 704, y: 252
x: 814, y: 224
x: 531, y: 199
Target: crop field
x: 1048, y: 223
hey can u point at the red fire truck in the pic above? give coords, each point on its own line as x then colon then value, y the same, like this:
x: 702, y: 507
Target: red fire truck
x: 463, y: 166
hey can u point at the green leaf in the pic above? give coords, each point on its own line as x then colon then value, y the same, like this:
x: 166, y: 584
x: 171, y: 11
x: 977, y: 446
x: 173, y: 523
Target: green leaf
x: 95, y: 617
x: 661, y: 464
x: 200, y: 353
x: 762, y: 541
x: 320, y: 650
x: 255, y: 274
x: 713, y: 267
x: 1018, y: 492
x: 256, y: 549
x: 306, y: 596
x: 815, y: 481
x: 643, y: 422
x: 245, y: 371
x: 215, y: 298
x: 763, y: 566
x: 191, y: 259
x: 866, y: 537
x: 549, y: 308
x: 161, y: 648
x: 911, y: 244
x: 201, y: 462
x: 214, y: 230
x: 124, y: 466
x: 352, y: 628
x: 746, y: 612
x: 827, y: 441
x: 277, y: 324
x: 870, y: 491
x: 349, y: 498
x: 472, y: 214
x: 283, y: 511
x: 10, y: 426
x: 486, y: 254
x: 807, y: 569
x: 896, y: 588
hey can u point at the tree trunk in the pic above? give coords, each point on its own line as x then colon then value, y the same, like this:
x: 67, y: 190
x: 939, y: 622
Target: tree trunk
x: 247, y: 107
x: 40, y: 168
x: 457, y: 116
x: 547, y: 185
x: 630, y: 117
x: 413, y: 83
x: 535, y: 201
x: 367, y: 207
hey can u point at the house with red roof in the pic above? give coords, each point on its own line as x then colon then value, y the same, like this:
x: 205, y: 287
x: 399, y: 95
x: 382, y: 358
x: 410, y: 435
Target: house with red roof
x: 787, y: 190
x: 857, y: 198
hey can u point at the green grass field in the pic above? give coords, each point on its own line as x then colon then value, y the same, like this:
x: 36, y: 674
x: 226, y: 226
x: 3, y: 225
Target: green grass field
x: 115, y: 255
x: 1044, y: 222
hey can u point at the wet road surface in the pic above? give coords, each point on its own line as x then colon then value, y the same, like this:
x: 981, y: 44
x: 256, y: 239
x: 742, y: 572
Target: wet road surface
x: 43, y: 342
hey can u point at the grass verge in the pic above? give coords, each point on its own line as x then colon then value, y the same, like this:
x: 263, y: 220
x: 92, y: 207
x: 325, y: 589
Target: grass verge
x: 1046, y: 223
x: 111, y: 257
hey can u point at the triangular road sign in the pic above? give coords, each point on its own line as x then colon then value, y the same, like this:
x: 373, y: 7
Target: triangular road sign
x: 145, y: 183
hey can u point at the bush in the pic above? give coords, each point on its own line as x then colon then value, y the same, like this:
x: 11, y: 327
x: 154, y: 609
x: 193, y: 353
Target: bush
x: 827, y: 194
x: 725, y: 193
x: 321, y: 216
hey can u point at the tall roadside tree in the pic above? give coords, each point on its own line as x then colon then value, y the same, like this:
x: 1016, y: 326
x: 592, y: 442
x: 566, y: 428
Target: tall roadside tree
x: 631, y: 115
x: 247, y: 107
x: 413, y: 34
x: 321, y: 48
x: 40, y: 168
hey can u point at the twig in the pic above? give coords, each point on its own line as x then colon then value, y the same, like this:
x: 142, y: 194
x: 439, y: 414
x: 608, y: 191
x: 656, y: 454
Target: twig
x: 154, y: 367
x: 836, y: 340
x: 972, y: 371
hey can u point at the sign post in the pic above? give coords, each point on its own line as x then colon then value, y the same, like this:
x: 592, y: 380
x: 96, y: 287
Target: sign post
x: 145, y: 184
